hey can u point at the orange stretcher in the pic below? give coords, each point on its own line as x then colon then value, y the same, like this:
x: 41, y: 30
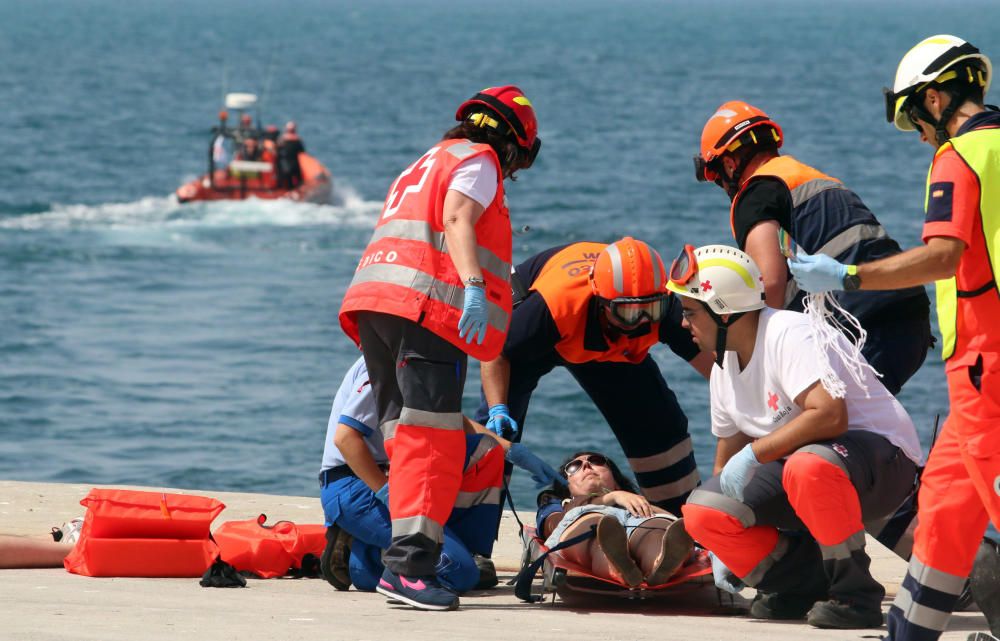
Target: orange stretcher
x: 567, y: 579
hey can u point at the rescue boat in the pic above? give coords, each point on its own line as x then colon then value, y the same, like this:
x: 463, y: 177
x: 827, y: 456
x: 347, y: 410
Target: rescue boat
x: 230, y: 177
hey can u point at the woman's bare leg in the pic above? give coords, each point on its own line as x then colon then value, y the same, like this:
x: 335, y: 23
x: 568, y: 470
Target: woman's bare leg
x: 27, y: 552
x: 607, y: 554
x: 660, y: 546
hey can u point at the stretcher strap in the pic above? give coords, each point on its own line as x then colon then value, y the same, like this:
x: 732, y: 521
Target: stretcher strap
x: 522, y: 588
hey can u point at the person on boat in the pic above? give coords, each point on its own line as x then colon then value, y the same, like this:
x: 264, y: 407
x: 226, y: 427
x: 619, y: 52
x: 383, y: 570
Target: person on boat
x: 354, y: 489
x: 799, y: 468
x: 939, y: 92
x: 289, y: 148
x: 250, y: 150
x: 739, y: 153
x: 246, y: 129
x: 597, y: 309
x: 431, y: 289
x: 221, y: 150
x: 635, y: 541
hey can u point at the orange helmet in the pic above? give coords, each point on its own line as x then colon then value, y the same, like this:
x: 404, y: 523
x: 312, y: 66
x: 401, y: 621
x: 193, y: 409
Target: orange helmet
x: 628, y: 268
x: 629, y: 277
x: 731, y: 126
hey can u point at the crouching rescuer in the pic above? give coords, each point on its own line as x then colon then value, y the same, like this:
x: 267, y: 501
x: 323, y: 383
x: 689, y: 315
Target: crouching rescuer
x: 798, y: 471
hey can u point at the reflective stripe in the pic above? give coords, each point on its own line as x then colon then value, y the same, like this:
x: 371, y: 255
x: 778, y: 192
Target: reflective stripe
x: 851, y: 237
x: 663, y: 460
x: 808, y: 189
x: 489, y: 496
x: 461, y: 150
x: 779, y: 551
x: 723, y: 503
x: 616, y: 268
x: 825, y: 453
x: 435, y: 289
x: 935, y: 579
x: 486, y: 444
x: 418, y: 525
x: 420, y: 230
x: 921, y: 615
x: 674, y: 489
x: 435, y: 420
x: 843, y: 550
x: 389, y: 430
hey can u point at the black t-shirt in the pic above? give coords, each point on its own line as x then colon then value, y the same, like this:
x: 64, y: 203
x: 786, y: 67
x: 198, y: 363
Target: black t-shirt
x: 763, y: 199
x: 533, y: 333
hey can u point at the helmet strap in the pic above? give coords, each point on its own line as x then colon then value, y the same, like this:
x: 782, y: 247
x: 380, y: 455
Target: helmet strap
x: 721, y: 331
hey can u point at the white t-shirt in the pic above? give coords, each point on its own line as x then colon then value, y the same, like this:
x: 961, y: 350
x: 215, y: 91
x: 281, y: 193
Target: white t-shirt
x: 476, y: 178
x: 761, y: 398
x: 354, y: 406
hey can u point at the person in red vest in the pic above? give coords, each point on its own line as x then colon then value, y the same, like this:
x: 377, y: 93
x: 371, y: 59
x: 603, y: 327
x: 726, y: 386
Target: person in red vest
x: 939, y: 92
x: 431, y: 289
x: 597, y: 309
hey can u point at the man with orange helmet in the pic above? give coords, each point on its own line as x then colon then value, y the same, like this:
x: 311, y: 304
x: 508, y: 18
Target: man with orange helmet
x: 597, y: 310
x: 939, y: 92
x: 431, y: 289
x: 739, y: 152
x: 799, y: 469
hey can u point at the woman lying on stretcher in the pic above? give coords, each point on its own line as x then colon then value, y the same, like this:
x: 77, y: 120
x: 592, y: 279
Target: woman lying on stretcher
x: 635, y: 541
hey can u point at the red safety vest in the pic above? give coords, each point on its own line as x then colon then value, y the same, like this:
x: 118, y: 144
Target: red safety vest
x: 564, y: 284
x: 406, y: 270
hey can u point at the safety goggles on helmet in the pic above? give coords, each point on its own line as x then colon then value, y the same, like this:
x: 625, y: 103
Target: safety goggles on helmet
x: 684, y: 267
x: 576, y: 464
x: 629, y: 312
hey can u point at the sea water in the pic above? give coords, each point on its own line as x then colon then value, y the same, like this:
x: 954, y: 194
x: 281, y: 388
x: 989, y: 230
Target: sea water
x: 197, y: 346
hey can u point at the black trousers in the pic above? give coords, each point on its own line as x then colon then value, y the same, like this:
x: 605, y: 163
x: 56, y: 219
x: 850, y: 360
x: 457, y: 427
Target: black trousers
x: 417, y: 378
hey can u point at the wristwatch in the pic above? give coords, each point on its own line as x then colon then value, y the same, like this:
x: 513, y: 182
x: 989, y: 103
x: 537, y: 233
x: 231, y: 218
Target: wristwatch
x: 475, y: 281
x: 852, y: 281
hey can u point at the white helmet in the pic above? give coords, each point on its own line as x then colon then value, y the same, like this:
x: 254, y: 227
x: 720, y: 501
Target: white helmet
x: 928, y: 62
x: 724, y: 278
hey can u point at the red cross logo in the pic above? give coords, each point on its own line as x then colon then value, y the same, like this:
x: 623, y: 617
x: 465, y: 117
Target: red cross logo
x: 772, y: 401
x: 409, y: 182
x: 706, y: 285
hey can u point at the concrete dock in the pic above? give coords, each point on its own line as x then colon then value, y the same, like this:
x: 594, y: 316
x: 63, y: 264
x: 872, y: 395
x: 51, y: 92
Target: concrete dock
x: 51, y: 604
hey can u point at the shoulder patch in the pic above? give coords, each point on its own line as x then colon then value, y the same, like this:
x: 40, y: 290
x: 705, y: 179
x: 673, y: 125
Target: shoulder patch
x: 939, y: 202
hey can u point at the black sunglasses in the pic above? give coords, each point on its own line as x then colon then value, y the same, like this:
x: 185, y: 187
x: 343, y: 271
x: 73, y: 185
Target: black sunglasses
x: 576, y: 464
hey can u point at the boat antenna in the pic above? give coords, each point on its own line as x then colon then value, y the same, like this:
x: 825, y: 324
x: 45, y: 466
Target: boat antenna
x: 267, y: 88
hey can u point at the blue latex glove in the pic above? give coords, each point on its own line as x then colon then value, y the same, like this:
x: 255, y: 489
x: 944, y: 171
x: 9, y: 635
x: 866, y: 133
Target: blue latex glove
x: 738, y: 472
x: 724, y: 578
x: 500, y: 422
x: 383, y: 494
x: 474, y: 315
x: 817, y: 273
x: 541, y: 472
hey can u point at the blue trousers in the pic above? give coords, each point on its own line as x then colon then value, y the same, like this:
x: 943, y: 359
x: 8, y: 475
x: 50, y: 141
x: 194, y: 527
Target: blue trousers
x: 352, y: 505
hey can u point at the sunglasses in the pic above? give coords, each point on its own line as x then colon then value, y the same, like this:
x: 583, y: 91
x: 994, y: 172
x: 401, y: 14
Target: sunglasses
x: 576, y: 464
x: 684, y: 267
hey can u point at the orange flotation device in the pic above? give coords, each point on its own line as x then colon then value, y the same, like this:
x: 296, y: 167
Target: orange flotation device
x: 268, y: 550
x: 144, y: 534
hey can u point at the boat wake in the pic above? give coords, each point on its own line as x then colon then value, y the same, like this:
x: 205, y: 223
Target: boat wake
x: 350, y: 209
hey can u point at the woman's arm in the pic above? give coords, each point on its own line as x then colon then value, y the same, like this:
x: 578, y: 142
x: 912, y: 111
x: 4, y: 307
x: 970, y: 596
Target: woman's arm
x: 459, y: 219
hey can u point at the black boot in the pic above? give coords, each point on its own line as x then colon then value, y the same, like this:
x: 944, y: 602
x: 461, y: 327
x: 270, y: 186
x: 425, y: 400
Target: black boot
x: 782, y: 607
x: 840, y: 615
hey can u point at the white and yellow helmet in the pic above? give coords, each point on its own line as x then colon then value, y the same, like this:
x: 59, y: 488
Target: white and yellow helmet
x: 935, y: 59
x: 724, y: 278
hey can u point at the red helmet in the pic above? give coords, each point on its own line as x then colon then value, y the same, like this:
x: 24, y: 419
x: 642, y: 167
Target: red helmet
x: 512, y: 106
x: 731, y: 126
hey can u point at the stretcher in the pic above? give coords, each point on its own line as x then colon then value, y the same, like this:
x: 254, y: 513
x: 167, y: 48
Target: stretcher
x: 570, y: 581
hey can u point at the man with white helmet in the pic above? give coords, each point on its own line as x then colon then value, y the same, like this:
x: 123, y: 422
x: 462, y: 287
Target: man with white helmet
x: 798, y: 471
x: 939, y: 92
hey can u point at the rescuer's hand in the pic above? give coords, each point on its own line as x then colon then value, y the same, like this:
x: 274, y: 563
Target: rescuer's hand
x: 817, y: 273
x: 474, y: 315
x: 738, y: 472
